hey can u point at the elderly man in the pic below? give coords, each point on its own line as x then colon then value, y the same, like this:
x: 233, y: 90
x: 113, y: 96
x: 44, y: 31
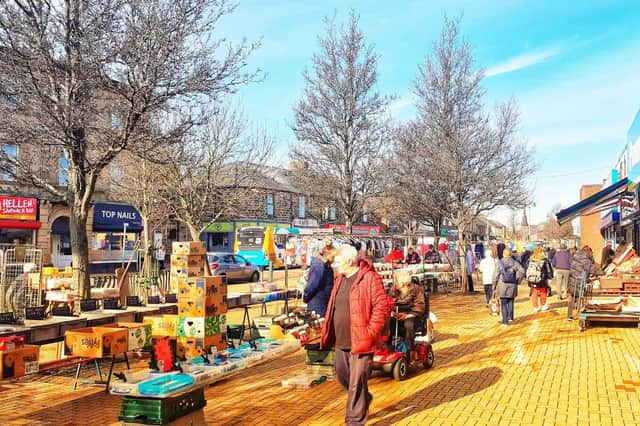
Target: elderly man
x: 356, y: 314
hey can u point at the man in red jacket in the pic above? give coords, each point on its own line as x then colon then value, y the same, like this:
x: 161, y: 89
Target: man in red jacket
x: 356, y: 314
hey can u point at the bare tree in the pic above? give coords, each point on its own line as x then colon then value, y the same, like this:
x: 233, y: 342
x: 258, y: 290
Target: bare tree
x: 91, y: 76
x: 479, y: 157
x: 553, y: 231
x: 214, y: 171
x: 419, y: 193
x: 340, y: 121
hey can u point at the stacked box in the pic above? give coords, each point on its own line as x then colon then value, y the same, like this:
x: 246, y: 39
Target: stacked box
x: 162, y: 325
x: 139, y: 334
x: 96, y: 342
x: 202, y: 302
x: 20, y: 361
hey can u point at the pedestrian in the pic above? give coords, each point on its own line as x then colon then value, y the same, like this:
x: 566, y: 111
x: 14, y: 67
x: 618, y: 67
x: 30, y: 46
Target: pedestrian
x: 320, y: 283
x: 607, y: 255
x: 487, y: 268
x: 562, y: 264
x: 500, y: 249
x: 432, y: 256
x: 506, y: 278
x: 356, y: 314
x: 551, y: 252
x: 413, y: 258
x: 471, y: 267
x: 581, y: 263
x: 396, y: 256
x: 161, y: 257
x: 539, y: 272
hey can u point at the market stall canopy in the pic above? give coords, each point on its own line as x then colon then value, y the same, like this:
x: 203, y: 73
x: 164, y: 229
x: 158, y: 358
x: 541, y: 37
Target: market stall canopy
x: 605, y: 199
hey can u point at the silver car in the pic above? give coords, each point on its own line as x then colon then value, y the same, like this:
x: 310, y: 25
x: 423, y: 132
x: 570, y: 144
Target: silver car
x: 234, y: 267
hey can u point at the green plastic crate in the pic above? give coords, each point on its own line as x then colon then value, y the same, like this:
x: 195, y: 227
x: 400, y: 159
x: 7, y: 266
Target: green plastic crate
x: 160, y: 411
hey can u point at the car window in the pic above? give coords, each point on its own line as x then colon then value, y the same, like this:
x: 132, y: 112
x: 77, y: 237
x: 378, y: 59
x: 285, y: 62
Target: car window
x: 228, y: 259
x: 212, y: 258
x: 241, y: 260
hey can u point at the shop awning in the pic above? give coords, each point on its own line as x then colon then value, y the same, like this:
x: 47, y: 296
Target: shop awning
x: 114, y: 218
x: 602, y: 200
x: 18, y: 224
x: 611, y: 218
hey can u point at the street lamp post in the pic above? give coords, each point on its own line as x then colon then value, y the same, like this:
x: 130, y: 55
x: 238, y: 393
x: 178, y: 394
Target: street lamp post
x: 124, y: 240
x: 285, y: 232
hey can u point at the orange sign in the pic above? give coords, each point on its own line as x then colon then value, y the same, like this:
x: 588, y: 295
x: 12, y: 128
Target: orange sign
x: 18, y: 208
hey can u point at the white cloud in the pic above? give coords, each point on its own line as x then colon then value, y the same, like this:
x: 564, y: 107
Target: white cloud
x: 524, y: 61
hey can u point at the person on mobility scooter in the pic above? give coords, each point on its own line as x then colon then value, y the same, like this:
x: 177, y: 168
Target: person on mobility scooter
x: 408, y: 318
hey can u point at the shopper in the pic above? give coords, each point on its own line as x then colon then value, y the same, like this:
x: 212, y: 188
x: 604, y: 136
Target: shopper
x: 607, y: 255
x: 500, y: 249
x: 581, y: 263
x: 506, y: 278
x: 562, y: 264
x: 487, y: 268
x: 413, y: 258
x: 539, y: 272
x: 356, y: 314
x: 396, y: 256
x: 471, y: 267
x: 411, y: 297
x: 320, y: 283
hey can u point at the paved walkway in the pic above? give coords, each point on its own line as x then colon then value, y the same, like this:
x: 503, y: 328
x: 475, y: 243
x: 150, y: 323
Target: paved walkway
x: 538, y: 371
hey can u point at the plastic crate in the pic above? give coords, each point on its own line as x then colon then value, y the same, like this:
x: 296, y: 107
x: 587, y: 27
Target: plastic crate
x: 154, y: 411
x: 320, y: 357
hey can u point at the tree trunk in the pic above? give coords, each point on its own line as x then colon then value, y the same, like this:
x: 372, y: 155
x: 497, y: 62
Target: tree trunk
x: 148, y: 253
x: 194, y: 232
x: 463, y: 258
x: 348, y: 226
x: 79, y: 251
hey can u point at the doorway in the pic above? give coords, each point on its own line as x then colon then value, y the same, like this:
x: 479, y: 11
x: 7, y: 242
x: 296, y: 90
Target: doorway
x: 60, y: 242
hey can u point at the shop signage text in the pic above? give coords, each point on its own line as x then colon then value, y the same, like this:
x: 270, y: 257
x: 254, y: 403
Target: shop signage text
x: 18, y: 208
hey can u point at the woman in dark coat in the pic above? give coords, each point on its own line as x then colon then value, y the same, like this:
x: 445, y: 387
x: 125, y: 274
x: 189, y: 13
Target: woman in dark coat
x: 582, y: 262
x: 320, y: 282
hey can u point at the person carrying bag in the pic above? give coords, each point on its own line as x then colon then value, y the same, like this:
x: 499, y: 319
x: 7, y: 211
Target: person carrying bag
x: 508, y: 275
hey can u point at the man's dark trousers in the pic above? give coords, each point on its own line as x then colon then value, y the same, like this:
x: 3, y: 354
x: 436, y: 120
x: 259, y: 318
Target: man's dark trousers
x: 353, y: 372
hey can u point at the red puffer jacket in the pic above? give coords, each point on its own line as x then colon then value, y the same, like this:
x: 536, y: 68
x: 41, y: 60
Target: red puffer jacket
x: 369, y: 312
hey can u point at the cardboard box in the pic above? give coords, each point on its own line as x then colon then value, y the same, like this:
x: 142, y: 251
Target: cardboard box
x: 201, y: 327
x: 188, y: 271
x: 610, y: 282
x: 162, y: 325
x: 188, y: 247
x: 201, y: 286
x: 20, y: 361
x: 180, y: 261
x: 196, y: 347
x: 96, y: 342
x: 201, y: 306
x: 138, y: 334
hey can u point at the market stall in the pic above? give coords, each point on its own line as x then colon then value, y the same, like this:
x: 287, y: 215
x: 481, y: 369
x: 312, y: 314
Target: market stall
x: 615, y: 296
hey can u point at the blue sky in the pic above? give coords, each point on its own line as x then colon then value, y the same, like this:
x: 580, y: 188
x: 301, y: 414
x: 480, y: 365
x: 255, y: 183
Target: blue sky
x: 572, y: 66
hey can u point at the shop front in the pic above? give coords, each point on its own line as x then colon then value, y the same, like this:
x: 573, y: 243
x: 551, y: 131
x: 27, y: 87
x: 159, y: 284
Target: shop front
x: 19, y: 220
x: 115, y: 237
x: 220, y: 236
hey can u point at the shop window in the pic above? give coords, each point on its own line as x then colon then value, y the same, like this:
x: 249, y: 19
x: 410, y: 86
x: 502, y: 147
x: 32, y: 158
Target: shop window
x: 19, y: 236
x: 117, y: 176
x: 109, y: 245
x: 332, y: 213
x: 11, y: 152
x: 63, y: 171
x: 270, y: 206
x: 365, y: 217
x: 301, y: 207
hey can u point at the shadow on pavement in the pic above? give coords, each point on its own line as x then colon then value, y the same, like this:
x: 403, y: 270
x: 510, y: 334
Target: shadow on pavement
x: 446, y: 390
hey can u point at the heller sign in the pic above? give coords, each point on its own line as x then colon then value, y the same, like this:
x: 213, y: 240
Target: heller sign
x: 18, y: 208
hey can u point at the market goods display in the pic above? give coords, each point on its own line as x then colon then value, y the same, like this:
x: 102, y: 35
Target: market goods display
x: 18, y: 359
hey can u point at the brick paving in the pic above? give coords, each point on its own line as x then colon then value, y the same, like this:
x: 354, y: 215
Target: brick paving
x: 538, y: 371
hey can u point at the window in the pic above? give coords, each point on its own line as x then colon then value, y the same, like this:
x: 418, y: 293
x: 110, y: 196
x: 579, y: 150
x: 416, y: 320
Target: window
x: 332, y: 213
x: 365, y: 217
x: 11, y: 151
x: 63, y: 171
x: 270, y: 208
x: 116, y: 123
x: 301, y: 207
x: 117, y: 175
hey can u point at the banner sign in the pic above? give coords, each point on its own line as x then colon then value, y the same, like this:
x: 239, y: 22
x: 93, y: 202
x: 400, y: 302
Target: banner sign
x: 18, y: 208
x: 112, y: 218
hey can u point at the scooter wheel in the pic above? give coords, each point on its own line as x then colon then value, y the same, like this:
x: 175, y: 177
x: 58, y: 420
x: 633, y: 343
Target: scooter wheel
x: 400, y: 369
x: 430, y: 358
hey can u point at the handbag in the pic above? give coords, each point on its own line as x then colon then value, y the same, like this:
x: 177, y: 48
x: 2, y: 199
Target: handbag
x: 494, y: 306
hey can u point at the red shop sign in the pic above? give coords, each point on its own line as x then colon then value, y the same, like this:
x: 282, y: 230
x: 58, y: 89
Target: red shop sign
x: 18, y: 208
